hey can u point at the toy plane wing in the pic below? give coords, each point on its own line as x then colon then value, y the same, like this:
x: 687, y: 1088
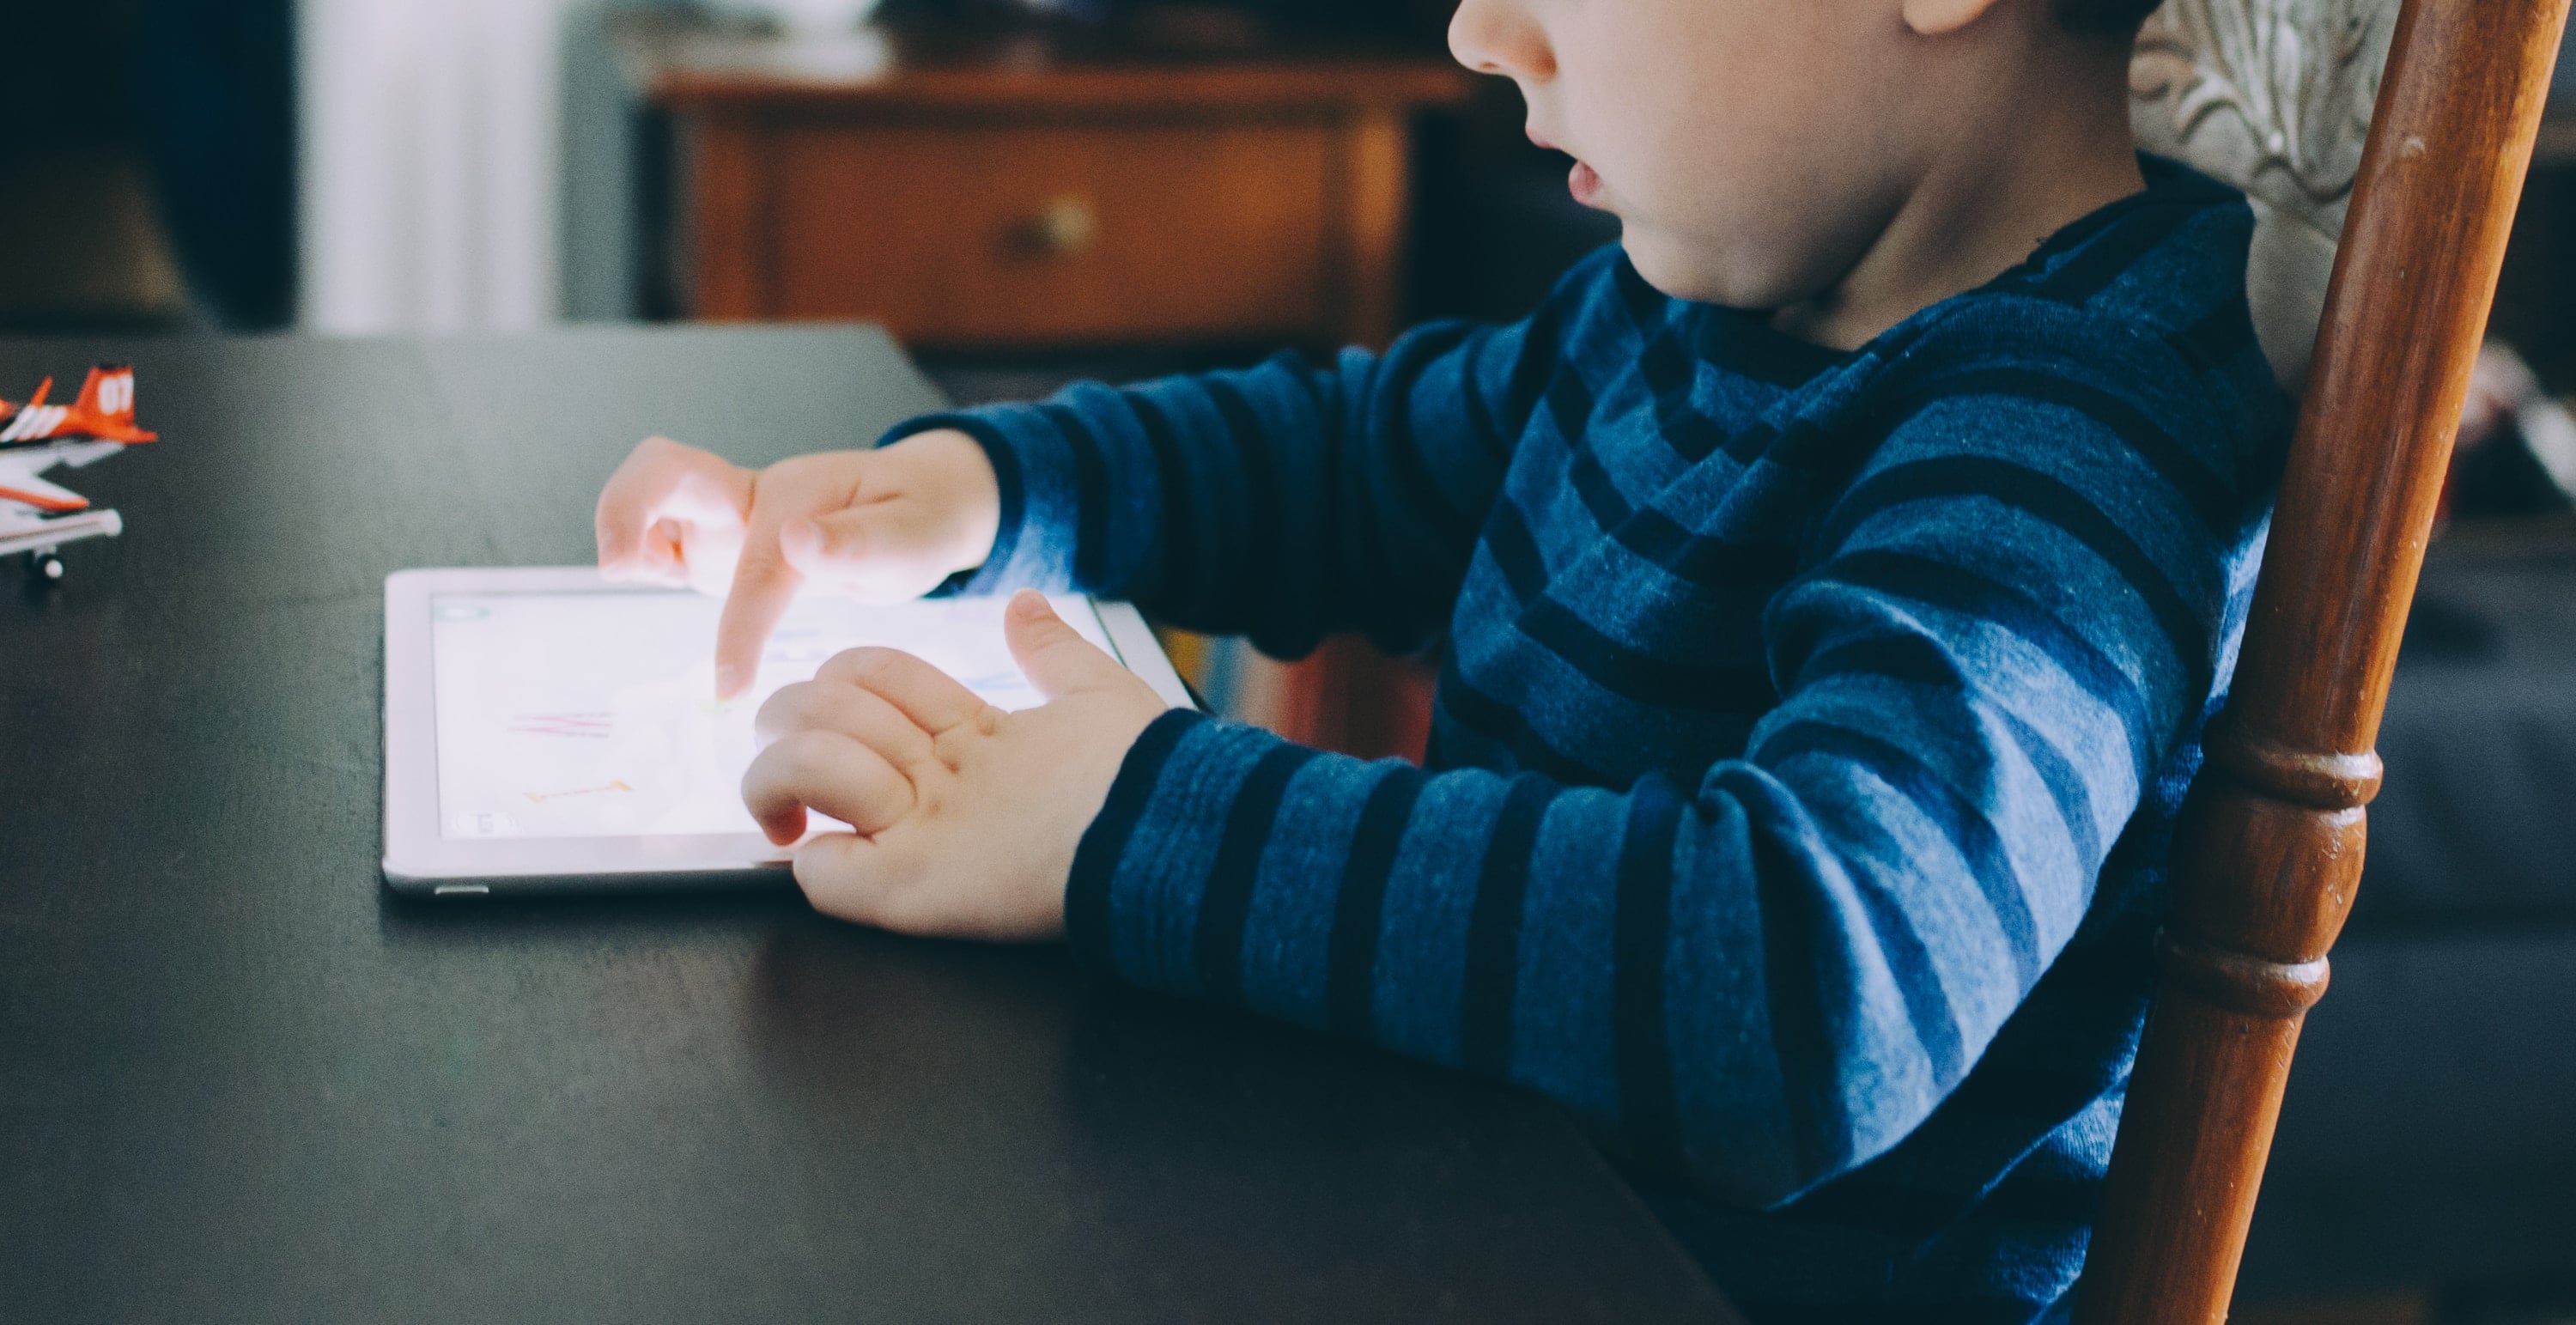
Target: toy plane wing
x: 18, y: 481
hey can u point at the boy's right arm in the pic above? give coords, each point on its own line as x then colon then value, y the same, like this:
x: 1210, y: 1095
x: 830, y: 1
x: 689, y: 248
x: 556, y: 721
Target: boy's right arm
x: 1284, y: 502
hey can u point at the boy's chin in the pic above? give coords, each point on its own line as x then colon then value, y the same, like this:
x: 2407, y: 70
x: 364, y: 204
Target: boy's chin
x: 1675, y: 270
x: 1692, y: 273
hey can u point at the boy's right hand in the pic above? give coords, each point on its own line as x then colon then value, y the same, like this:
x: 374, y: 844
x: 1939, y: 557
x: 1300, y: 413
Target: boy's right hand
x: 882, y: 526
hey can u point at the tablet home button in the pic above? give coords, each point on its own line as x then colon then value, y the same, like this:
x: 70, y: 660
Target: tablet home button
x: 461, y: 890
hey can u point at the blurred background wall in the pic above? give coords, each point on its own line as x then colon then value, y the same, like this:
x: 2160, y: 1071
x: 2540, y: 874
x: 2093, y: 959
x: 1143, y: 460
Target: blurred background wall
x: 385, y: 165
x: 491, y: 163
x: 432, y: 161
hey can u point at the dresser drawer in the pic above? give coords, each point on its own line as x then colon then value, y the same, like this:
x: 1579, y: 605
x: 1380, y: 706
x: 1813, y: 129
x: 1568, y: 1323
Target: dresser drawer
x: 1043, y: 234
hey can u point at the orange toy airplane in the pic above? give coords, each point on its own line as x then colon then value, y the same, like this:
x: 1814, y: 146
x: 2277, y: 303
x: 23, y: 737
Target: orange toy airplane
x: 37, y: 517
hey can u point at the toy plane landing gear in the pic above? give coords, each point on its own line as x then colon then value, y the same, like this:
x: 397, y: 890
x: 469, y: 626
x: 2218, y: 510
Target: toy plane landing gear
x: 40, y: 539
x: 36, y: 517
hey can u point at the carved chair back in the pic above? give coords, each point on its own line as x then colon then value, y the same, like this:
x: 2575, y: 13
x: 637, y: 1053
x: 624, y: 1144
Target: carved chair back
x: 2274, y: 97
x: 2278, y: 97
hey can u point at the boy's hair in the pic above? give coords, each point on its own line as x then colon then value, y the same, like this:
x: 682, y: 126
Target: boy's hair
x: 2115, y: 19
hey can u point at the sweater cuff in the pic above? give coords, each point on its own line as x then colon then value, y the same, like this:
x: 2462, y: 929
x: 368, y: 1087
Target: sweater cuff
x: 1167, y: 832
x: 1033, y: 471
x: 1104, y: 844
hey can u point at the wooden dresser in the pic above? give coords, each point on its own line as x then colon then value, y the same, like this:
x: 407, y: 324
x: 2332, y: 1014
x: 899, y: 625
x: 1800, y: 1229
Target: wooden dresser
x: 1020, y: 193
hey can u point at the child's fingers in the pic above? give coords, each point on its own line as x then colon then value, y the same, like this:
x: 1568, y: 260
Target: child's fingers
x: 657, y: 559
x: 663, y: 482
x: 824, y: 771
x: 626, y: 511
x: 764, y: 581
x: 1057, y: 659
x: 764, y: 587
x: 930, y: 697
x: 861, y: 715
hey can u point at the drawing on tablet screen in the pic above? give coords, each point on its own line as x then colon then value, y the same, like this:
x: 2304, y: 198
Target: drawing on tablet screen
x: 594, y: 714
x: 609, y: 790
x: 571, y: 726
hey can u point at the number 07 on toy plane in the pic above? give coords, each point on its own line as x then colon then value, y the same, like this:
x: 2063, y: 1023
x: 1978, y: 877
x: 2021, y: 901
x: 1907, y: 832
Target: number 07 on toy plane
x: 37, y: 517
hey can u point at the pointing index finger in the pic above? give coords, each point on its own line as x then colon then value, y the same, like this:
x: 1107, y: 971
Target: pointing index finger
x: 764, y: 586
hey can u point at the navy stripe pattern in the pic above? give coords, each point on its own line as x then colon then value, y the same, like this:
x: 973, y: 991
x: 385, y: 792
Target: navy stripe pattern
x: 1810, y: 727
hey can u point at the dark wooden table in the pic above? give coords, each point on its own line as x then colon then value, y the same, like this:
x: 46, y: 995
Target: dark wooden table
x: 240, y: 1081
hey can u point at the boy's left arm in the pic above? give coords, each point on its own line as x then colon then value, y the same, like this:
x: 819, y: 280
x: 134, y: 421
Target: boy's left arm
x: 1762, y: 978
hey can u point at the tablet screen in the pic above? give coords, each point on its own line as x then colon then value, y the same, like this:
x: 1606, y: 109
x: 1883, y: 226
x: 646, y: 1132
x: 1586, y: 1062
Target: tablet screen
x: 570, y: 714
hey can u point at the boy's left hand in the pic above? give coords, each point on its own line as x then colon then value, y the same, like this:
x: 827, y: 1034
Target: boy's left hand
x: 967, y: 817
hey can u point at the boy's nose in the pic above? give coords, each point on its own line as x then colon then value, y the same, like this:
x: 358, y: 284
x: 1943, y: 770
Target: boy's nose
x: 1500, y: 37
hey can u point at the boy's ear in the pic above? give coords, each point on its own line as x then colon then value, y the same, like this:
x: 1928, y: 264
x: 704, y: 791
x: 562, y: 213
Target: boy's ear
x: 1939, y: 18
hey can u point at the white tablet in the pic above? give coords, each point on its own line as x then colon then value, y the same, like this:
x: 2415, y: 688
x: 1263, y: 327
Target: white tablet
x: 546, y: 730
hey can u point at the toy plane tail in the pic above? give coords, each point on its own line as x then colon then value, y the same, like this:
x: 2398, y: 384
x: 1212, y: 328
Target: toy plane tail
x: 106, y: 405
x: 109, y: 395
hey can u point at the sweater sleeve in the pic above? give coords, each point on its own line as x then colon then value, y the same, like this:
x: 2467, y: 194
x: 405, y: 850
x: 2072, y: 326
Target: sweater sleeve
x: 1285, y: 502
x: 1762, y: 978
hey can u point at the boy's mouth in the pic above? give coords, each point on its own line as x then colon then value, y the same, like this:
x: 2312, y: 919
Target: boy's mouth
x: 1586, y: 185
x: 1584, y: 181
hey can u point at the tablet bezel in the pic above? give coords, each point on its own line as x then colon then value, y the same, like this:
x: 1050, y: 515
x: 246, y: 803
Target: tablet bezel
x: 420, y: 860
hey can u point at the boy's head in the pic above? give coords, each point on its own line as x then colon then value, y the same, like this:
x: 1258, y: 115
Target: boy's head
x: 1756, y: 150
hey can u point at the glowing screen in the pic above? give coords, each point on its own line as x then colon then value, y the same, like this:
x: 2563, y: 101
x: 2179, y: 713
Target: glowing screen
x: 594, y: 714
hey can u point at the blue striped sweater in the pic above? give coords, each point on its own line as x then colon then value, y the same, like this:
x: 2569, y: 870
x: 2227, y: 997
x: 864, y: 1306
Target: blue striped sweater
x: 1809, y: 734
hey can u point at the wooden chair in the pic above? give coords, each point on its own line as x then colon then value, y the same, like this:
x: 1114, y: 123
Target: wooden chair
x: 2274, y: 95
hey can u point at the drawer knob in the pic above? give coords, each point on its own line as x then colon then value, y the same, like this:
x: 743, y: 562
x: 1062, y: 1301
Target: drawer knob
x: 1065, y: 226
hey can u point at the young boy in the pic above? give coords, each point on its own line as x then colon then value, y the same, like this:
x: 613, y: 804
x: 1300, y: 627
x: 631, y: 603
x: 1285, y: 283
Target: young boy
x: 1836, y: 576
